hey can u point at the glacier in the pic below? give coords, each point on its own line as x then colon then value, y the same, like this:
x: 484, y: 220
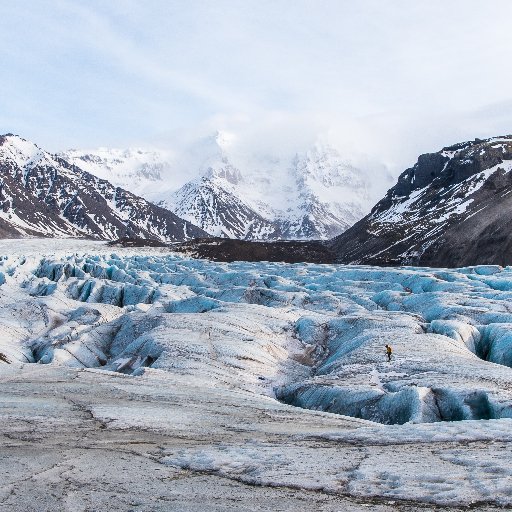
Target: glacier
x: 152, y: 380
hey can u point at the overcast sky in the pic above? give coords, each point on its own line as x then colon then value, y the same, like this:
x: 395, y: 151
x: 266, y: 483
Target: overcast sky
x: 389, y: 78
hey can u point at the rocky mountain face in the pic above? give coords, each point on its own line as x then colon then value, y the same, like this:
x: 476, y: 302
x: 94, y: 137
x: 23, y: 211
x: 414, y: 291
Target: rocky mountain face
x: 212, y: 204
x: 315, y: 195
x: 45, y: 195
x: 214, y: 199
x: 452, y: 208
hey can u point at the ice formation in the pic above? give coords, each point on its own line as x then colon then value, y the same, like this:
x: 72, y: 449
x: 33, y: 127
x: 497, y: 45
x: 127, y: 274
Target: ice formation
x: 234, y: 346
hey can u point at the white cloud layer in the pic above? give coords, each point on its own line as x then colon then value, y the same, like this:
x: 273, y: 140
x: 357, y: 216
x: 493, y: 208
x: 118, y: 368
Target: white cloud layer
x: 385, y: 80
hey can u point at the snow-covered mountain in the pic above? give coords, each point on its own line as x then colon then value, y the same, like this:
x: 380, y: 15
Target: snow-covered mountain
x: 135, y: 169
x: 212, y: 204
x: 44, y: 195
x: 314, y: 195
x: 215, y: 199
x: 453, y: 208
x: 311, y: 195
x: 331, y: 195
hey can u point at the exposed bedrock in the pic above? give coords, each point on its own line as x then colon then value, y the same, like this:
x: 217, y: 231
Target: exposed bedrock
x: 452, y: 208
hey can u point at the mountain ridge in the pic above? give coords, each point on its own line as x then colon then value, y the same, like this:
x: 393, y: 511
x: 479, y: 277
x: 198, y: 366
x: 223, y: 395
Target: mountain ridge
x: 313, y: 195
x: 44, y: 195
x: 452, y: 208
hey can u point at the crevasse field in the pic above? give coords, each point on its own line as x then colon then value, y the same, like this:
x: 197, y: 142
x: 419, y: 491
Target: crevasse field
x: 143, y: 380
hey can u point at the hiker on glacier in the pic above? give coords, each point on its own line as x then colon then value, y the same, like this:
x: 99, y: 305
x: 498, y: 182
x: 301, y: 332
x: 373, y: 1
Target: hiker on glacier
x: 389, y: 351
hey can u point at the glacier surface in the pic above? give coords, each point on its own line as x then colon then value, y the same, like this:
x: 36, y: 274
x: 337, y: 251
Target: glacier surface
x: 264, y: 381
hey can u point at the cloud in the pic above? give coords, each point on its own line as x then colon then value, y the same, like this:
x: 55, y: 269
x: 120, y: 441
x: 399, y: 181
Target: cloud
x: 383, y: 81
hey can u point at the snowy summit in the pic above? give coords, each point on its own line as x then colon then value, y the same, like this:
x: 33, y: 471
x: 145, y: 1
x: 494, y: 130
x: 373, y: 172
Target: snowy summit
x: 314, y: 194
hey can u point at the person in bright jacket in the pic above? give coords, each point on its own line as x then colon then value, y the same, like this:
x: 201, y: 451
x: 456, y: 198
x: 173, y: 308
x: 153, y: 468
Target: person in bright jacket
x: 389, y: 351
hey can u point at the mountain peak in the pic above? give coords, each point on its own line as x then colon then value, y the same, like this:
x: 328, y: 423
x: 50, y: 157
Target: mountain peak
x: 45, y: 195
x: 317, y: 194
x: 136, y: 169
x: 452, y: 208
x: 224, y: 139
x: 19, y: 150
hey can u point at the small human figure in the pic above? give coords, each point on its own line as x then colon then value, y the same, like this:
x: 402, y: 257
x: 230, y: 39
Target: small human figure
x: 389, y: 351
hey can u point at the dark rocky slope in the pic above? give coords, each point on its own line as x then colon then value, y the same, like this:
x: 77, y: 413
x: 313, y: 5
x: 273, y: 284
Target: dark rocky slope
x: 453, y: 208
x: 43, y: 195
x: 228, y: 249
x: 288, y: 251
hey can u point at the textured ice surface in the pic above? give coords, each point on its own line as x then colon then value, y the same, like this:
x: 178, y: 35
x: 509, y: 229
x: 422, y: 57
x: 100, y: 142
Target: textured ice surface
x: 206, y: 353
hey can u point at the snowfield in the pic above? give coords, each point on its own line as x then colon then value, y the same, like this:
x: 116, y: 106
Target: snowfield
x: 143, y: 380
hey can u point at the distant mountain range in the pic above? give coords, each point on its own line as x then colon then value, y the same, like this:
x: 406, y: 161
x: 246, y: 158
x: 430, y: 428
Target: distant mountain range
x: 313, y: 195
x: 452, y: 208
x: 45, y: 195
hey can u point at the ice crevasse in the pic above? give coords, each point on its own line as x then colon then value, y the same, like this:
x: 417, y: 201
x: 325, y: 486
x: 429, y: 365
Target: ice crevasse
x: 310, y: 335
